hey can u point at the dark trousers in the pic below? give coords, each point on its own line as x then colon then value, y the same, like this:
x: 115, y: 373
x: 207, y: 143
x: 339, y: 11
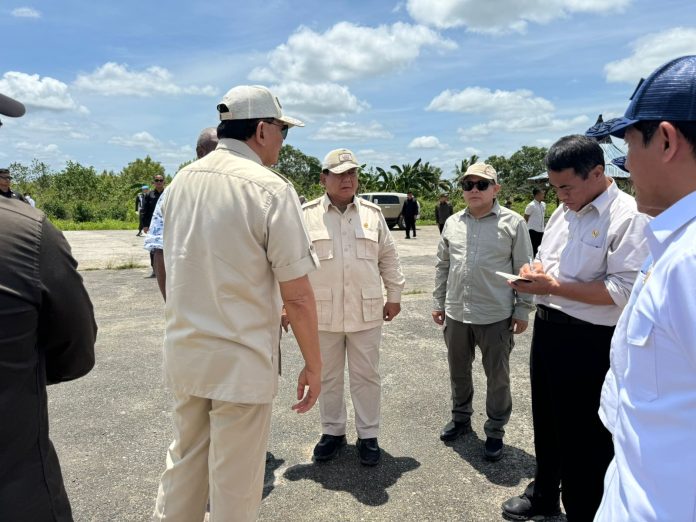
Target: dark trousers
x: 410, y: 222
x: 535, y: 237
x: 573, y: 449
x: 496, y: 342
x: 440, y: 226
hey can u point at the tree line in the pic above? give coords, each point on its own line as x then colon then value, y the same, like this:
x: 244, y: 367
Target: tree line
x: 81, y: 194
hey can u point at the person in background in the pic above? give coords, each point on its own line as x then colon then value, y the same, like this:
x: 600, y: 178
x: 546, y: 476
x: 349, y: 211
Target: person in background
x: 139, y: 200
x: 5, y: 182
x: 409, y: 211
x: 149, y: 204
x: 534, y: 215
x: 443, y: 210
x: 29, y: 199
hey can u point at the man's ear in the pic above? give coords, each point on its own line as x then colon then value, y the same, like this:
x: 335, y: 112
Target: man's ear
x: 669, y: 135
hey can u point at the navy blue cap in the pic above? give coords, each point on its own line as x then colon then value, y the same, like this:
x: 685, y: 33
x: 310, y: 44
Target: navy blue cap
x: 620, y: 162
x: 10, y: 107
x: 669, y: 94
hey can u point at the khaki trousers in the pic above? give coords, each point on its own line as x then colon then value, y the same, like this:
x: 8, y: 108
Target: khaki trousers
x: 496, y: 342
x: 219, y: 451
x: 362, y: 349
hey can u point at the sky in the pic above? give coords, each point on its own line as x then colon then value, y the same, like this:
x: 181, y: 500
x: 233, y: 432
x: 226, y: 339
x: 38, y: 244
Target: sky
x: 108, y: 82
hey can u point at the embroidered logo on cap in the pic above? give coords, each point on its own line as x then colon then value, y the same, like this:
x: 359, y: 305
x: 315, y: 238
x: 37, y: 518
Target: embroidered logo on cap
x: 345, y: 156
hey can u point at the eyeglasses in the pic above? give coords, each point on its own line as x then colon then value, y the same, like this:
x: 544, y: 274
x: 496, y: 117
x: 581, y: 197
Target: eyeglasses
x: 283, y: 127
x: 481, y: 184
x: 158, y: 180
x: 8, y: 178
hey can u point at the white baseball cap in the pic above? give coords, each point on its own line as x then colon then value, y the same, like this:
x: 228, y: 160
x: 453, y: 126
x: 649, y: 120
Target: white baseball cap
x: 340, y: 160
x: 249, y: 102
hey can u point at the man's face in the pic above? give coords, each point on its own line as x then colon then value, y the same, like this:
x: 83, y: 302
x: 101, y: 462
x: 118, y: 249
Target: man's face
x: 273, y: 134
x: 573, y: 191
x: 443, y: 200
x: 652, y: 193
x: 5, y: 180
x: 341, y: 187
x: 478, y: 199
x: 159, y: 183
x: 540, y: 196
x: 409, y: 195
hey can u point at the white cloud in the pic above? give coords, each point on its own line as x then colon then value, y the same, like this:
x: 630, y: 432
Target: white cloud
x: 426, y: 142
x: 541, y: 123
x: 650, y: 52
x: 142, y: 139
x: 481, y: 100
x: 39, y: 93
x: 114, y: 79
x: 503, y: 15
x: 318, y: 98
x: 169, y: 153
x: 345, y: 130
x: 348, y: 52
x: 26, y: 12
x: 34, y: 150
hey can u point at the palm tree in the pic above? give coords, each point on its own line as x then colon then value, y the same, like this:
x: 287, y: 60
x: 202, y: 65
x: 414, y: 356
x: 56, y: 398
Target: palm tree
x: 460, y: 169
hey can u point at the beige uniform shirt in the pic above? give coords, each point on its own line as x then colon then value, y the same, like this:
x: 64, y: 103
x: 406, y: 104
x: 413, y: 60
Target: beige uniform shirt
x: 356, y: 250
x: 234, y: 229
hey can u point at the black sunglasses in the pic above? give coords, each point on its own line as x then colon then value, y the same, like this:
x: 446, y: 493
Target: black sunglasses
x: 481, y: 184
x: 158, y: 180
x: 283, y: 128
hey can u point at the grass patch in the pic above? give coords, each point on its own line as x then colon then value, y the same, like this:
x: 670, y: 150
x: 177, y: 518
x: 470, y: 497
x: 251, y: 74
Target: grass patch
x: 123, y: 265
x: 107, y: 224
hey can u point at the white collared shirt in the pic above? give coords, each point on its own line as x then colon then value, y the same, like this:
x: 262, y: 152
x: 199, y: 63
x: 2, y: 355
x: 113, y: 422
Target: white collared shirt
x: 649, y: 395
x: 603, y: 241
x: 536, y: 210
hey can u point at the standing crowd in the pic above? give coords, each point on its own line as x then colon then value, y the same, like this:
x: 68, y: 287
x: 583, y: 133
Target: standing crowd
x: 613, y: 360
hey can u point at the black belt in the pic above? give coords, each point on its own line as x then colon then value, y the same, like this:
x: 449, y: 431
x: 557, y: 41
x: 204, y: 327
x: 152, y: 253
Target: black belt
x: 556, y: 316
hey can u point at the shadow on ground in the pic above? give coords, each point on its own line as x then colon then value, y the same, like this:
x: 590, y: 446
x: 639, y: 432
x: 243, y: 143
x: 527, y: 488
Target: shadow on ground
x: 513, y: 468
x: 345, y: 473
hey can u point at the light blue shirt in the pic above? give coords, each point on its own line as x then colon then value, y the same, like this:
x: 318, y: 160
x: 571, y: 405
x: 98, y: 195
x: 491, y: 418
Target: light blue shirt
x: 649, y: 394
x: 153, y: 239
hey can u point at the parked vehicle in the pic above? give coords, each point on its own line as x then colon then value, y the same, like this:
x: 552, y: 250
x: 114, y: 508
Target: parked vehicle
x: 391, y: 204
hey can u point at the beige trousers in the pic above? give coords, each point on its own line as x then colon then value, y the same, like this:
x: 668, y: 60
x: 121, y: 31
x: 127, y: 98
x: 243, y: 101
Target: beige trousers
x: 219, y: 451
x: 362, y: 349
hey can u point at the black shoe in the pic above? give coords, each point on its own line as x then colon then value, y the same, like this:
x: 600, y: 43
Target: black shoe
x: 369, y: 451
x: 523, y: 508
x: 328, y: 446
x: 138, y: 234
x: 454, y: 429
x: 407, y: 237
x: 150, y: 276
x: 493, y: 449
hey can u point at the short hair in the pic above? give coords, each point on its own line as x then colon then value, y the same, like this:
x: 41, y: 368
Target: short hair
x: 240, y: 130
x: 4, y: 170
x: 647, y: 129
x: 207, y: 141
x: 536, y: 190
x: 576, y: 152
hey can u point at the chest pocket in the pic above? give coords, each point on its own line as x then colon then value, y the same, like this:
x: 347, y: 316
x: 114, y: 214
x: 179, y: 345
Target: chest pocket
x: 641, y: 370
x: 366, y: 244
x: 323, y: 244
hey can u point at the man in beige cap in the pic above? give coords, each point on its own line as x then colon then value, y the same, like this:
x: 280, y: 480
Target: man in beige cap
x: 234, y: 235
x: 477, y: 306
x: 357, y: 254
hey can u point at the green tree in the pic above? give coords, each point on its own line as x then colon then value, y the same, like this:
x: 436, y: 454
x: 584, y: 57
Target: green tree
x: 302, y: 169
x: 460, y: 169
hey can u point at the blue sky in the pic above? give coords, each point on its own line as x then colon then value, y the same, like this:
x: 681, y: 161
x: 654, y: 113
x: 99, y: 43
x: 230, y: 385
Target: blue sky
x: 106, y: 83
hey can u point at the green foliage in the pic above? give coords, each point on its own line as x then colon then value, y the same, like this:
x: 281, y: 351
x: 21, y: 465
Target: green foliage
x: 302, y: 169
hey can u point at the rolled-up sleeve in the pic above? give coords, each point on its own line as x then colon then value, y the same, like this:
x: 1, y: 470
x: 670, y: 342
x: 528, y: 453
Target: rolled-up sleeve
x: 627, y: 251
x: 521, y: 253
x: 288, y: 248
x: 389, y: 264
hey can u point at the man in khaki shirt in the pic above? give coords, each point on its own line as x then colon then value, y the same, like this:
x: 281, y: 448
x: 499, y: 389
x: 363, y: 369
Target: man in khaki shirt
x: 357, y: 253
x: 477, y: 306
x: 234, y: 235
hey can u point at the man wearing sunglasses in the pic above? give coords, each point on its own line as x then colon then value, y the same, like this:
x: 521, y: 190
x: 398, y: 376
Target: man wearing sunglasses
x: 236, y: 250
x: 582, y: 276
x: 149, y: 203
x: 476, y: 306
x: 47, y: 335
x: 5, y: 182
